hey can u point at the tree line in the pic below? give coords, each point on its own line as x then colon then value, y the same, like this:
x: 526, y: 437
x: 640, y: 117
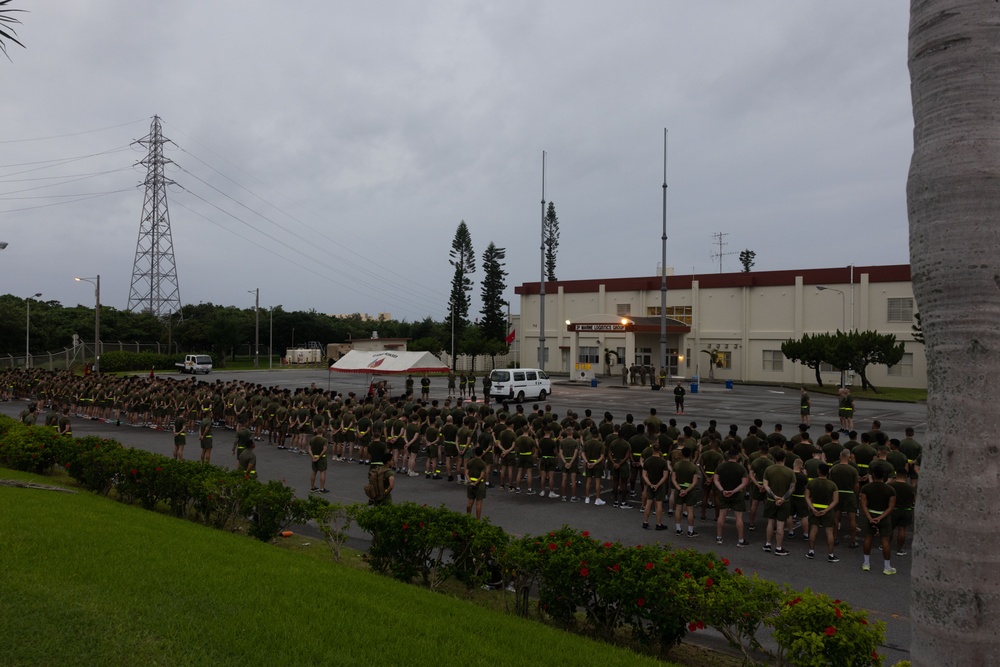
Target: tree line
x: 846, y: 351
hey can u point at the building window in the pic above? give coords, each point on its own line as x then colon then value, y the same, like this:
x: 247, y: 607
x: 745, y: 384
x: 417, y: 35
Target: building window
x: 621, y: 355
x: 588, y: 355
x: 828, y: 368
x: 900, y: 310
x: 727, y: 359
x: 904, y: 369
x: 679, y: 313
x: 644, y: 356
x: 687, y: 358
x: 624, y: 309
x: 545, y: 355
x: 773, y: 360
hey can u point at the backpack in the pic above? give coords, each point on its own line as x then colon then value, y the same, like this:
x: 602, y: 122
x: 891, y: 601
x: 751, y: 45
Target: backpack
x: 376, y: 489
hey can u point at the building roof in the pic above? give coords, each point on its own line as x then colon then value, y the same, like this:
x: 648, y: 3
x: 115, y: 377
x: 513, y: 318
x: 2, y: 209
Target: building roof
x: 839, y: 275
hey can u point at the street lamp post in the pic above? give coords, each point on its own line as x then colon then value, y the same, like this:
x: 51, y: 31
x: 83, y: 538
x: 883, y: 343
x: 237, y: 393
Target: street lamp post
x: 843, y: 322
x: 256, y: 308
x: 27, y: 330
x: 96, y: 282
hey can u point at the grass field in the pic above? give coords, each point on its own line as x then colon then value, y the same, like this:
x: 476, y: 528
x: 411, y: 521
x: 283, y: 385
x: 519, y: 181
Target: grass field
x: 87, y: 581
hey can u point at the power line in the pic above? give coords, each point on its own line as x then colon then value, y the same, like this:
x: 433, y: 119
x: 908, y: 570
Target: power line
x: 62, y: 203
x: 71, y: 134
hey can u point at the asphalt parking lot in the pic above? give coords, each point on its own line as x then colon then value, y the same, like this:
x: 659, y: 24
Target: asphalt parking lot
x: 887, y: 598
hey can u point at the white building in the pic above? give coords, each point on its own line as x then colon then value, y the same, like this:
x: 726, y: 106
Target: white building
x: 745, y: 317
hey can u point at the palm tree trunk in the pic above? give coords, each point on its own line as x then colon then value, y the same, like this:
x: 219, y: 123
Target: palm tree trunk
x: 953, y: 200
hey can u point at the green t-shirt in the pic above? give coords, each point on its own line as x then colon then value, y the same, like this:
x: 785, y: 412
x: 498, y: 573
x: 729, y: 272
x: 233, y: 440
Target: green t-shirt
x: 821, y: 491
x: 780, y: 479
x: 878, y: 495
x: 685, y: 473
x: 656, y: 468
x: 730, y: 474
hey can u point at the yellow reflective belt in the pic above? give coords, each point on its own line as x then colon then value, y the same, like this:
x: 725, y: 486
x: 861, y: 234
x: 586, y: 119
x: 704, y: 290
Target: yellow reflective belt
x: 819, y: 507
x: 845, y: 491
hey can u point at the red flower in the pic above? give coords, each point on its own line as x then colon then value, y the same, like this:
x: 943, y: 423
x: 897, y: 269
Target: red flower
x: 552, y: 546
x: 709, y: 583
x: 692, y: 627
x: 831, y: 631
x: 583, y: 563
x: 638, y: 546
x: 687, y: 575
x: 641, y: 602
x: 158, y: 468
x: 794, y: 602
x: 420, y: 525
x: 710, y: 566
x: 584, y: 572
x: 615, y: 567
x: 406, y: 526
x: 725, y: 561
x: 67, y: 466
x: 738, y: 571
x: 586, y: 533
x: 454, y: 535
x: 552, y: 534
x: 607, y: 545
x: 874, y: 655
x: 568, y: 543
x: 837, y: 610
x: 134, y: 471
x: 864, y: 621
x: 701, y: 625
x: 836, y: 602
x: 649, y: 566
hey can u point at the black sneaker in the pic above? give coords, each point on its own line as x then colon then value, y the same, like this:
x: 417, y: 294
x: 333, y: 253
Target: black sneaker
x: 660, y: 526
x: 692, y: 533
x: 645, y: 525
x: 451, y: 478
x: 810, y: 554
x: 781, y: 551
x: 766, y: 547
x: 742, y: 543
x: 324, y: 490
x: 832, y: 559
x: 314, y: 489
x: 679, y: 531
x: 751, y: 527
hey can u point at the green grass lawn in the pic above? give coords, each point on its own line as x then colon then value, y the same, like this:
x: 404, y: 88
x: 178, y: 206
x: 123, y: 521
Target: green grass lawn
x: 901, y: 394
x: 88, y: 581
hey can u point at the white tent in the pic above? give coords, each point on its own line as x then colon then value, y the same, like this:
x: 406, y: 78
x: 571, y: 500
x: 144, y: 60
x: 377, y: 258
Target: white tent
x: 388, y: 363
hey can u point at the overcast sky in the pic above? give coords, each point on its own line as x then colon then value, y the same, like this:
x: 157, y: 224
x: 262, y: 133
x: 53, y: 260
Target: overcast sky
x: 325, y: 152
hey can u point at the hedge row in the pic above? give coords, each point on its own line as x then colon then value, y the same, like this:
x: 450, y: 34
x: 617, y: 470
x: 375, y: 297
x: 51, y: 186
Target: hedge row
x: 654, y: 594
x: 121, y: 360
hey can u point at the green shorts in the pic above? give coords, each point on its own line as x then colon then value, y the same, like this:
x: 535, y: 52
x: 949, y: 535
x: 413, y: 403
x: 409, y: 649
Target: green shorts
x: 848, y: 502
x: 488, y: 458
x: 621, y: 472
x: 524, y: 460
x: 691, y: 499
x: 547, y: 464
x: 902, y: 518
x: 179, y: 441
x: 476, y: 491
x: 659, y: 493
x: 450, y: 449
x: 799, y: 506
x: 596, y: 471
x: 509, y: 459
x: 735, y: 502
x: 206, y: 443
x: 414, y: 447
x: 828, y: 520
x: 320, y: 465
x: 779, y: 513
x: 433, y: 451
x: 884, y: 527
x: 757, y: 493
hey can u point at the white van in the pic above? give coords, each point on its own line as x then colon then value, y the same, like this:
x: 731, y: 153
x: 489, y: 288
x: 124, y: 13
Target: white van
x: 518, y: 384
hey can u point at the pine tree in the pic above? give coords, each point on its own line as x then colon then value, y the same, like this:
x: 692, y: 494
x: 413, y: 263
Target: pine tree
x: 493, y: 323
x: 464, y: 260
x: 550, y: 233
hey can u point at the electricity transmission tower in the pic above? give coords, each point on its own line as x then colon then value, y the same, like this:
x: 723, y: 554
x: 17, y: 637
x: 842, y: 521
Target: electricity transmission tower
x: 154, y: 273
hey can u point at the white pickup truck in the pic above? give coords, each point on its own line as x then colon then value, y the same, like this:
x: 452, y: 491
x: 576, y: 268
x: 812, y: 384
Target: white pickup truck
x: 195, y: 363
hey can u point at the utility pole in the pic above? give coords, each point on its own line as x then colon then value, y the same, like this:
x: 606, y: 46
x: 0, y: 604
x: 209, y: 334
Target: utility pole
x: 663, y: 265
x: 256, y: 343
x: 541, y: 292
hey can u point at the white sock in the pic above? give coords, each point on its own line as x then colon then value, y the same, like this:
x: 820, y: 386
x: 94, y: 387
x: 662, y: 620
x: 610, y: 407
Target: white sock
x: 888, y: 565
x: 867, y: 560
